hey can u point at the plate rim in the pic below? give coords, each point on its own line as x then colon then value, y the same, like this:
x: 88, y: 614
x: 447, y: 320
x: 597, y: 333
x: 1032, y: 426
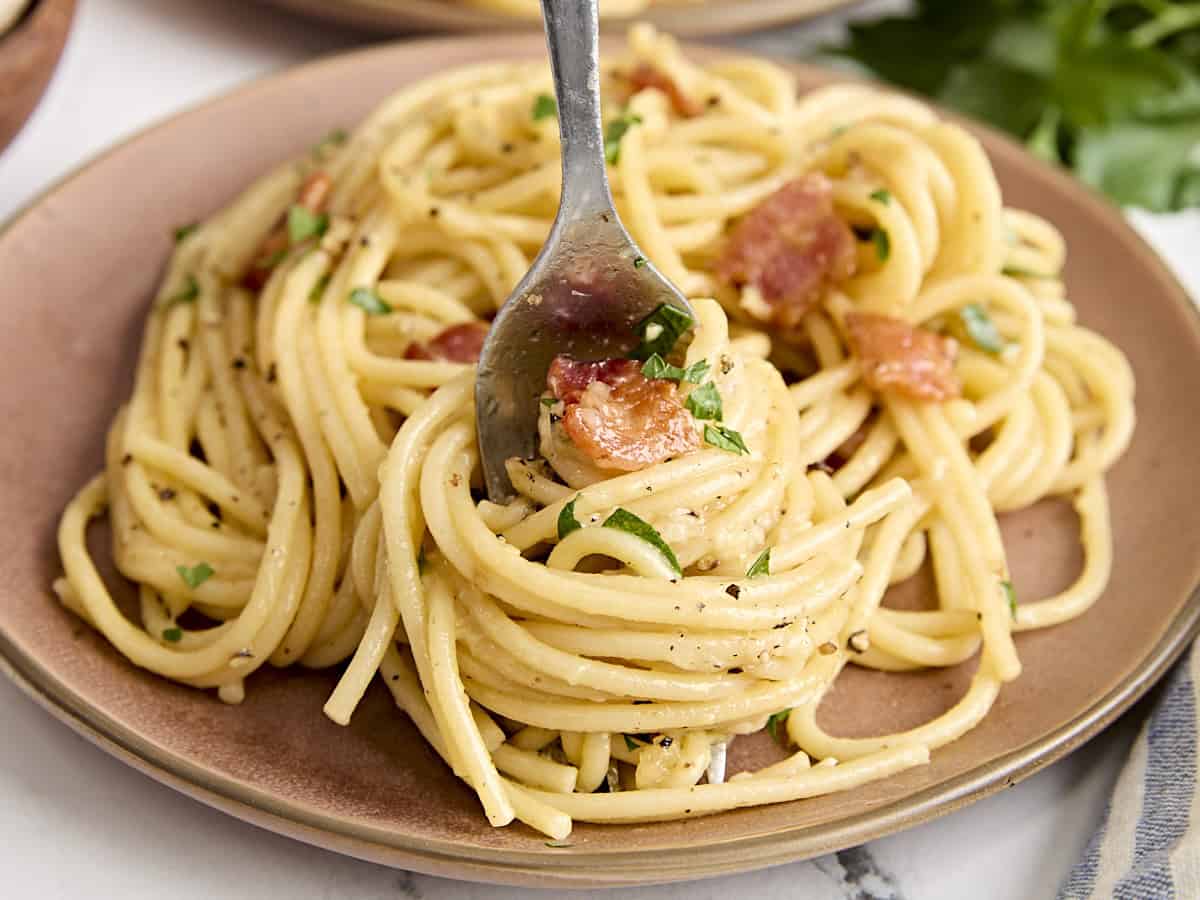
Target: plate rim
x: 731, y: 16
x: 581, y: 867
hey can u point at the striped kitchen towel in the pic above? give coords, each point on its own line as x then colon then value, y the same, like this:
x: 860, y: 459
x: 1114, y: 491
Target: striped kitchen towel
x: 1147, y: 845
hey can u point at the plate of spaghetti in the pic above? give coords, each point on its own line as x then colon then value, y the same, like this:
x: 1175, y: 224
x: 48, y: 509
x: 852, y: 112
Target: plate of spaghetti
x: 690, y: 18
x: 879, y: 530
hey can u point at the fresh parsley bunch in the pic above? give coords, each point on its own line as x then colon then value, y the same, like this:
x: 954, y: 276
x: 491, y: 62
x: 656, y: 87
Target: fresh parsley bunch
x: 1108, y: 88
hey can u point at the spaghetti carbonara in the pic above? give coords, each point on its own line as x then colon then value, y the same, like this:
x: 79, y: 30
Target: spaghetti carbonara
x: 882, y: 359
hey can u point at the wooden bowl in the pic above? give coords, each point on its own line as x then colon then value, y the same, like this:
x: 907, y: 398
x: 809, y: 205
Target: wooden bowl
x: 28, y: 55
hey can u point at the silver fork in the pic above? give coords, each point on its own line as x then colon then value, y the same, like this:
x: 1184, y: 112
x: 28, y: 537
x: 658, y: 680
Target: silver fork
x: 589, y: 286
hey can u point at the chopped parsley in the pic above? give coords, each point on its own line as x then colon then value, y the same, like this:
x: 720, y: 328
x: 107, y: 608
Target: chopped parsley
x: 1018, y: 272
x: 624, y: 520
x: 566, y: 519
x: 548, y: 402
x: 369, y: 302
x: 761, y: 566
x: 705, y: 402
x: 186, y: 294
x: 630, y: 743
x: 657, y: 367
x: 881, y: 196
x: 544, y: 107
x: 661, y: 330
x: 270, y: 262
x: 559, y: 844
x: 639, y: 262
x: 196, y: 575
x: 335, y: 138
x: 883, y: 244
x: 174, y: 634
x: 613, y: 134
x: 1010, y: 594
x: 773, y: 723
x: 981, y: 329
x: 303, y: 223
x: 184, y: 231
x: 725, y: 438
x: 318, y: 290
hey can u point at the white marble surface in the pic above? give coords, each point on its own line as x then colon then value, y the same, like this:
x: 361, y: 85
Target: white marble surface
x: 76, y: 823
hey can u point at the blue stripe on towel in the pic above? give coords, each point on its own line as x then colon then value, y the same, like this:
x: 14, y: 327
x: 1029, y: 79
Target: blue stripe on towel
x: 1170, y: 784
x: 1082, y: 880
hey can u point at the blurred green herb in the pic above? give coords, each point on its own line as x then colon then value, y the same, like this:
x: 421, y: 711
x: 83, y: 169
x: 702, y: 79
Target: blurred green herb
x: 1107, y: 88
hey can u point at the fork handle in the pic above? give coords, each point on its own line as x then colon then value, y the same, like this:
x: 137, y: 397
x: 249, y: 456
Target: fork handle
x: 573, y: 38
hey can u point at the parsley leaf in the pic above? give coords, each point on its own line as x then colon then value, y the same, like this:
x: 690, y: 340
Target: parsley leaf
x: 184, y: 231
x: 1018, y: 272
x: 630, y: 743
x: 174, y: 635
x: 303, y: 223
x: 773, y: 723
x: 761, y: 566
x: 196, y: 575
x: 269, y: 262
x: 566, y: 519
x: 981, y: 328
x: 544, y: 106
x: 1010, y: 594
x: 1141, y: 164
x: 705, y: 402
x: 883, y: 244
x: 186, y: 294
x: 335, y: 138
x: 657, y: 367
x: 318, y: 289
x: 1111, y: 90
x: 639, y: 262
x: 369, y: 302
x: 549, y: 402
x: 661, y: 330
x: 881, y: 196
x: 624, y: 520
x: 725, y: 438
x: 613, y: 134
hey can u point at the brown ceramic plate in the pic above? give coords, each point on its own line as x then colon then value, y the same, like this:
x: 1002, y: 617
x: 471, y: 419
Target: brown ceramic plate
x: 77, y: 272
x: 708, y: 19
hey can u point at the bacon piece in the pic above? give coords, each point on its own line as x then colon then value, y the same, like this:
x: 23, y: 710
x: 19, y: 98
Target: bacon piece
x: 619, y: 418
x: 569, y: 378
x: 896, y: 356
x: 460, y: 343
x: 315, y: 191
x: 790, y: 247
x: 313, y: 195
x: 647, y: 76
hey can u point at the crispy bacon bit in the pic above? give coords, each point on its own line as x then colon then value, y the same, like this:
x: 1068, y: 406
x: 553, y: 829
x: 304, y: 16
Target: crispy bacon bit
x: 315, y: 191
x: 569, y: 378
x: 460, y: 343
x: 896, y: 356
x: 313, y: 195
x: 790, y: 247
x: 647, y: 76
x: 619, y: 418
